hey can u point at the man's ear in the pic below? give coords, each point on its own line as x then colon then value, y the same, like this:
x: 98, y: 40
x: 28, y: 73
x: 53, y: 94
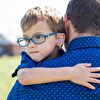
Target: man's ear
x: 60, y: 39
x: 66, y: 19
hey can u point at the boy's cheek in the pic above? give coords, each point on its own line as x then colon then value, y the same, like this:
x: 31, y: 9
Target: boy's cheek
x: 26, y: 49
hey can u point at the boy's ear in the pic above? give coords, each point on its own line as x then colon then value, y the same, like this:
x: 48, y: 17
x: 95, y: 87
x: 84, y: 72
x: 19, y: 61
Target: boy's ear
x: 60, y: 39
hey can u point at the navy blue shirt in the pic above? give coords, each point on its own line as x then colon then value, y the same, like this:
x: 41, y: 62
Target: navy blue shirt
x: 80, y: 50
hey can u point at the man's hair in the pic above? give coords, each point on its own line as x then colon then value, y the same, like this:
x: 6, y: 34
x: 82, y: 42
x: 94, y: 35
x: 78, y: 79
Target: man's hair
x: 85, y: 15
x: 47, y: 14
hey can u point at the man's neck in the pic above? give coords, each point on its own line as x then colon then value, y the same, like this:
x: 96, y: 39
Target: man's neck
x: 75, y: 35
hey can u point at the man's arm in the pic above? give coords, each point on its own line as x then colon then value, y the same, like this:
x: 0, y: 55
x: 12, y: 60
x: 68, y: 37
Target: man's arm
x: 80, y: 74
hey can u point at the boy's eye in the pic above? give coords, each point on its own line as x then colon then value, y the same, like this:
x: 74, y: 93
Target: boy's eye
x: 38, y: 36
x: 22, y: 41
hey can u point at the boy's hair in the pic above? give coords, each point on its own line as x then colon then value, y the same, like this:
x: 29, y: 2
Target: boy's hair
x: 35, y: 14
x: 85, y: 15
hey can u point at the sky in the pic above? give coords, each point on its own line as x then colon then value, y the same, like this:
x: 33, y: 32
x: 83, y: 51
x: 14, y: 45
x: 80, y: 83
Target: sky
x: 11, y: 12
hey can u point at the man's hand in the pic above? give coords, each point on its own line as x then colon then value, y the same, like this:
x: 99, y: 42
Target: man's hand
x: 83, y: 74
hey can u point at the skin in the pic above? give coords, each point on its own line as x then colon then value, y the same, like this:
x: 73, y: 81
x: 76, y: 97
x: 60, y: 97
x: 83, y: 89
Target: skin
x: 48, y: 48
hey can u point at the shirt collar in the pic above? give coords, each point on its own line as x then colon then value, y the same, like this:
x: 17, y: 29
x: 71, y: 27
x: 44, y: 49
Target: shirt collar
x: 84, y: 42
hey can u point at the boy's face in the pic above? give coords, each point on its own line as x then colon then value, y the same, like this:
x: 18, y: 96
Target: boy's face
x: 40, y: 51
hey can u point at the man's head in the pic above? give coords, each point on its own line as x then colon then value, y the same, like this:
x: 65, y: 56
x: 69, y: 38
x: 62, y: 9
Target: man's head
x: 43, y: 31
x: 84, y: 17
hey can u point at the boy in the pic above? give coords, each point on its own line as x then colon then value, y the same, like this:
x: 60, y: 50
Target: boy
x: 43, y: 34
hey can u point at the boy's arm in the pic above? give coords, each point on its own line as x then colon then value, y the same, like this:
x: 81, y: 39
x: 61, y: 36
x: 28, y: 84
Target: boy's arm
x: 38, y: 75
x: 80, y: 74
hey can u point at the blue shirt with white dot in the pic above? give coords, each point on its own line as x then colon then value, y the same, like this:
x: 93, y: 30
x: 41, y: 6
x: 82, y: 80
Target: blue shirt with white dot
x: 80, y: 50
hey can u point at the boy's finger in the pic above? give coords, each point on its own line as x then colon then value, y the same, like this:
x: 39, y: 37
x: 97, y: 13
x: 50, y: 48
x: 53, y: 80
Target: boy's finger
x: 93, y: 80
x: 85, y: 64
x: 96, y: 69
x: 88, y: 85
x: 95, y: 75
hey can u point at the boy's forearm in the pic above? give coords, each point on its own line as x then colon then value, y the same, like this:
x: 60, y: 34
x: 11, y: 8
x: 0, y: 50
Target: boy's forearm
x: 30, y: 76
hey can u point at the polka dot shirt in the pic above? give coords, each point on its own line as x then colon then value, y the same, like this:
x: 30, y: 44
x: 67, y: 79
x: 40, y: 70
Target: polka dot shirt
x: 80, y: 50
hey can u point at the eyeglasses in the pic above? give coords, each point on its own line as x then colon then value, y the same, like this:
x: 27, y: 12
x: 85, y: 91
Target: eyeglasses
x: 36, y: 39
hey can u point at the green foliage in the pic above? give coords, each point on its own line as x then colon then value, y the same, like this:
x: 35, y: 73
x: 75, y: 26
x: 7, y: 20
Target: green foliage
x: 7, y: 67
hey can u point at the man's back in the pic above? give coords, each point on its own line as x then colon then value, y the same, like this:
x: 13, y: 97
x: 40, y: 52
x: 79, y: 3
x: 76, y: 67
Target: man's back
x: 81, y: 50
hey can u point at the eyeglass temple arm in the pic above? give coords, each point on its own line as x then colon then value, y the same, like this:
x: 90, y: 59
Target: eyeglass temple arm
x: 53, y: 33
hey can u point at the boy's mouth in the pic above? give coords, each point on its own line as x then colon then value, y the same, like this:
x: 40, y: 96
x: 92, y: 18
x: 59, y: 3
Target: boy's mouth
x: 33, y: 52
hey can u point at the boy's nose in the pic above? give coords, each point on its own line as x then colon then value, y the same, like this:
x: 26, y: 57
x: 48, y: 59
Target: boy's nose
x: 31, y: 44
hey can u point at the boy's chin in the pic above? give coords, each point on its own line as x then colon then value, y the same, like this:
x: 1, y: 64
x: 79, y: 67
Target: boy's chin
x: 36, y: 59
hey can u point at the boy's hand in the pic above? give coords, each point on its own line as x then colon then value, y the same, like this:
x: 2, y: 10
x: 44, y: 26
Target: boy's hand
x: 82, y: 75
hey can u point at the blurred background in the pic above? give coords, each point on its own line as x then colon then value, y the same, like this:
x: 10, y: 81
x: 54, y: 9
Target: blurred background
x: 11, y: 12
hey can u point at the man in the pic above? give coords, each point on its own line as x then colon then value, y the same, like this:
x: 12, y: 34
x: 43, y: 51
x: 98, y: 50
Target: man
x: 82, y: 24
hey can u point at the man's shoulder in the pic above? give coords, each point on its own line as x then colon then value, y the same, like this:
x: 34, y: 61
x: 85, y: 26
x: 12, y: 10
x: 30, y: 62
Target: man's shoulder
x: 73, y: 57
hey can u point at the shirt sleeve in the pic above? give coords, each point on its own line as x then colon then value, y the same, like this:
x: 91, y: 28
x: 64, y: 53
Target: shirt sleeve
x: 26, y: 62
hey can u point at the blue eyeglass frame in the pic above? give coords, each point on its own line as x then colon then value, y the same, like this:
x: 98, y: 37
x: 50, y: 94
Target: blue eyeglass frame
x: 31, y: 39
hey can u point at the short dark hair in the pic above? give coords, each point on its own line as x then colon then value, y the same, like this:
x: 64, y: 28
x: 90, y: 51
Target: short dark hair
x: 50, y: 15
x: 85, y: 15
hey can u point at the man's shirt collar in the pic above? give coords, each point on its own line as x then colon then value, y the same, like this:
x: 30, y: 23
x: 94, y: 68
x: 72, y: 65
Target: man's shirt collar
x: 84, y: 42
